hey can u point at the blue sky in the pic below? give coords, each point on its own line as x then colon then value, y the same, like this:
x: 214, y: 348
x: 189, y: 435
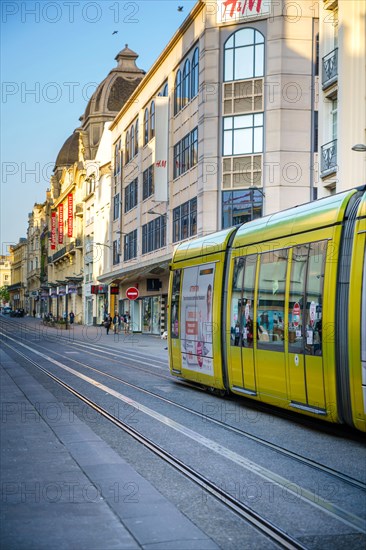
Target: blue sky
x: 53, y: 54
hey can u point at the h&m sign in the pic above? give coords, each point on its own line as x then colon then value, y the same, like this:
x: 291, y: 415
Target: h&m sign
x: 233, y: 11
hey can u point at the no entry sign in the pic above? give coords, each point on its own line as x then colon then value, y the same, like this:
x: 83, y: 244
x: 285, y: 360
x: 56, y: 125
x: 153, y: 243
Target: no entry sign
x: 132, y: 293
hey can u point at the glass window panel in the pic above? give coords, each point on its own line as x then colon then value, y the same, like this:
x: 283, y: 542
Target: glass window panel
x: 258, y: 119
x: 244, y: 121
x: 271, y: 300
x: 247, y: 319
x: 228, y: 145
x: 296, y: 299
x: 244, y: 37
x: 229, y: 64
x: 236, y: 301
x: 314, y: 298
x: 258, y: 140
x: 259, y: 60
x: 243, y: 66
x: 243, y: 141
x: 228, y: 123
x: 259, y: 38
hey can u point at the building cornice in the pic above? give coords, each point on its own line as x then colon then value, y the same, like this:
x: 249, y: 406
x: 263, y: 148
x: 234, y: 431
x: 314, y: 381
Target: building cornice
x: 160, y: 60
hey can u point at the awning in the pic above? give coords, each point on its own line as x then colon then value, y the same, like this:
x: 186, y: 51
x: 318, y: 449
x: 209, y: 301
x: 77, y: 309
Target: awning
x: 133, y: 273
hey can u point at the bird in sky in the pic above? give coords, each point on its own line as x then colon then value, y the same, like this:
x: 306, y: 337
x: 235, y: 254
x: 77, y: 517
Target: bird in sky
x: 114, y: 32
x: 180, y: 8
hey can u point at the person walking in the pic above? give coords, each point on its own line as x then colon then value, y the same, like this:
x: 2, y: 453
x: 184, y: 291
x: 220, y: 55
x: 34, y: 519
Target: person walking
x: 127, y: 323
x: 108, y: 322
x: 72, y: 317
x: 115, y: 322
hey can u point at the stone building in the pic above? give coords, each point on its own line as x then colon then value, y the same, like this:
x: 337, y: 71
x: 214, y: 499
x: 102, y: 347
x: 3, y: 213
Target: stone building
x: 18, y: 287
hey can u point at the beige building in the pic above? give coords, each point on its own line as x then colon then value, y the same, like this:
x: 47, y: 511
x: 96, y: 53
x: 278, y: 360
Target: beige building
x: 342, y: 95
x: 18, y: 287
x: 220, y: 131
x: 36, y: 297
x: 5, y: 270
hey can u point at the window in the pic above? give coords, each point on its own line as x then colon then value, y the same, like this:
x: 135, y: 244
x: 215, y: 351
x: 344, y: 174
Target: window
x: 148, y: 182
x: 243, y: 134
x: 117, y: 161
x: 131, y: 195
x: 186, y: 85
x: 132, y: 141
x: 152, y: 120
x: 244, y: 55
x: 194, y: 74
x: 175, y: 303
x: 146, y: 126
x: 178, y: 92
x: 271, y: 300
x: 241, y: 206
x: 127, y: 147
x: 242, y: 302
x: 116, y: 207
x: 185, y: 153
x: 185, y: 220
x: 136, y: 136
x: 154, y: 235
x: 130, y: 246
x: 116, y: 248
x: 165, y: 91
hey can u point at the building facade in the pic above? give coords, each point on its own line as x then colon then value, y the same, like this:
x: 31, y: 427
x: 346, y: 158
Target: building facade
x: 18, y: 287
x: 5, y: 270
x: 220, y: 131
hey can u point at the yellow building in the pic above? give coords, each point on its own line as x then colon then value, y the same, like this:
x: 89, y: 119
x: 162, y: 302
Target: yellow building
x: 5, y: 270
x: 18, y: 287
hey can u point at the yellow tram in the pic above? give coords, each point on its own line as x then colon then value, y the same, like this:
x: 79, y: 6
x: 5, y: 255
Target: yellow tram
x: 275, y: 309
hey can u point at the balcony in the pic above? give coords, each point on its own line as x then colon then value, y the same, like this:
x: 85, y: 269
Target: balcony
x: 328, y: 160
x: 330, y: 69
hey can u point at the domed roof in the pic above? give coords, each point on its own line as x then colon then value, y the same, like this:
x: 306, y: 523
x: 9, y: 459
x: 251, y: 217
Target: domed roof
x: 69, y: 152
x: 116, y: 88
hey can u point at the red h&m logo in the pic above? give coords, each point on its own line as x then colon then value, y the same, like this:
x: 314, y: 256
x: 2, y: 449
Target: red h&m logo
x: 237, y: 10
x: 241, y: 6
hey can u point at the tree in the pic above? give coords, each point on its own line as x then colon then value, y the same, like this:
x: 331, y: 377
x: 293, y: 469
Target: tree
x: 4, y: 294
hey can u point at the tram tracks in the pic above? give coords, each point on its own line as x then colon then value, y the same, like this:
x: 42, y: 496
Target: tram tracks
x: 317, y: 466
x: 214, y: 489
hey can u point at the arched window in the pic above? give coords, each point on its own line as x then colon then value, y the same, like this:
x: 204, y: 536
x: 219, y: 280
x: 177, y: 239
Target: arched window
x: 186, y: 95
x: 178, y: 92
x: 136, y: 136
x: 194, y: 74
x: 132, y: 141
x: 127, y: 147
x: 152, y: 119
x: 117, y: 158
x: 146, y: 126
x: 244, y: 55
x: 165, y: 90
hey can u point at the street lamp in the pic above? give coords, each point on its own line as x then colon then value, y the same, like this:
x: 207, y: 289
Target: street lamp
x: 359, y: 148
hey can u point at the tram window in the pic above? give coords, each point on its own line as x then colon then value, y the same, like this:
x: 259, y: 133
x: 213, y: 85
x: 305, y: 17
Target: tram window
x: 314, y: 298
x: 271, y: 300
x: 363, y: 321
x: 175, y: 303
x: 243, y: 301
x: 296, y: 298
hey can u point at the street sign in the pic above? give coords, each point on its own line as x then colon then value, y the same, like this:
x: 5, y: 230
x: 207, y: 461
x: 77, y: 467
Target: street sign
x: 132, y: 293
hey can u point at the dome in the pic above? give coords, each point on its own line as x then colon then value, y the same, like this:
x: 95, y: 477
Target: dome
x: 69, y: 152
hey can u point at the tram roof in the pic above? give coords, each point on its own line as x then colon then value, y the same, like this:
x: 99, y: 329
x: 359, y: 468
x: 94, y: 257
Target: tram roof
x: 318, y: 214
x: 203, y: 246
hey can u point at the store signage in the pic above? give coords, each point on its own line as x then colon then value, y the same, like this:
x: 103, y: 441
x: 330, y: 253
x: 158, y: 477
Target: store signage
x: 233, y: 11
x: 70, y: 215
x: 72, y: 288
x: 60, y: 224
x: 132, y: 293
x: 161, y: 148
x: 61, y: 290
x: 53, y: 230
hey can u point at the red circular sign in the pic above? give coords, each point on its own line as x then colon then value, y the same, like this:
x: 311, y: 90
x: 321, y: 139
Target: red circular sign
x: 132, y: 293
x: 296, y: 314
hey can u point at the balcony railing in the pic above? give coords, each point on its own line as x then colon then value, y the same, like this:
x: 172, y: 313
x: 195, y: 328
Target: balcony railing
x: 330, y: 69
x: 328, y: 162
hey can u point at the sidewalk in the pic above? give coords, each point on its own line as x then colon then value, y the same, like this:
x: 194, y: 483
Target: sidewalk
x: 63, y: 487
x: 93, y: 335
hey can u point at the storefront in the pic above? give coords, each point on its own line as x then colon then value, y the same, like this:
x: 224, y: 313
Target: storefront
x: 151, y: 311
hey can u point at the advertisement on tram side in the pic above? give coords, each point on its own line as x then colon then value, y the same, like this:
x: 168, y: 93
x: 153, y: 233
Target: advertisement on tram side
x: 196, y: 318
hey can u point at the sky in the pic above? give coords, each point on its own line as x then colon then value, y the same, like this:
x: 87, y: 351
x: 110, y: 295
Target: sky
x: 53, y: 56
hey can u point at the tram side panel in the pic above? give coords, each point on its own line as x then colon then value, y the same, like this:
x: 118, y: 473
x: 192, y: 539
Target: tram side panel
x: 357, y: 321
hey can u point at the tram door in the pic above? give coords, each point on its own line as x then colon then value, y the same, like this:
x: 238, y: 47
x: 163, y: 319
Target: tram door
x: 242, y: 316
x: 305, y: 354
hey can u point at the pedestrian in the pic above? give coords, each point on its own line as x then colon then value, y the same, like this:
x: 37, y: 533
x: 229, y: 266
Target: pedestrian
x: 34, y: 313
x: 108, y: 322
x: 127, y: 322
x: 72, y: 317
x: 115, y: 322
